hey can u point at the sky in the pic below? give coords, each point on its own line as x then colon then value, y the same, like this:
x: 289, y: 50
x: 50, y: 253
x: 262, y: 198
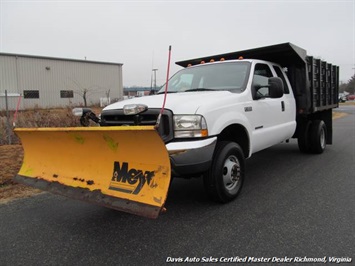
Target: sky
x: 138, y: 33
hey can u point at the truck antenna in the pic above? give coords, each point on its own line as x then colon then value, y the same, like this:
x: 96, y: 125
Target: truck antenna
x: 165, y: 91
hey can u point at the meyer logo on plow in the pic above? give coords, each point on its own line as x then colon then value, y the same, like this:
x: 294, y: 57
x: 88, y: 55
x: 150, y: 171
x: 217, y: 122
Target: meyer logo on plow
x: 129, y: 181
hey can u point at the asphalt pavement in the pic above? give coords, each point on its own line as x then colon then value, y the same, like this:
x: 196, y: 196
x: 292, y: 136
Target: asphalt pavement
x: 294, y: 209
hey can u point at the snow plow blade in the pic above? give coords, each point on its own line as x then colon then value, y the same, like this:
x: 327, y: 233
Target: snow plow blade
x: 123, y: 168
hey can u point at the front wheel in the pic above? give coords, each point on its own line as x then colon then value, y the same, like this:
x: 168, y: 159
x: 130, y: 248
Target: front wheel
x: 224, y: 180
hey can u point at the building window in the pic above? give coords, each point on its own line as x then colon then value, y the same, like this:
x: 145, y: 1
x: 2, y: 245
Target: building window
x: 31, y: 94
x: 66, y: 94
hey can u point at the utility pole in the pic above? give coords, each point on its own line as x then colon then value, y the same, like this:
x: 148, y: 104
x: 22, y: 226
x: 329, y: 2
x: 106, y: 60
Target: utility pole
x: 155, y: 78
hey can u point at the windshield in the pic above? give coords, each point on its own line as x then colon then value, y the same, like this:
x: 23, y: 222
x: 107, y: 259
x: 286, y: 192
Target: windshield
x: 231, y: 76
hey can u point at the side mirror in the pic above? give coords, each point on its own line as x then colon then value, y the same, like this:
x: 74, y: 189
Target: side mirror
x: 276, y: 87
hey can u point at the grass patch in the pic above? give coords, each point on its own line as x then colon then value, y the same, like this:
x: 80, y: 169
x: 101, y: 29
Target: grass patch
x: 35, y: 118
x: 348, y: 103
x: 337, y: 115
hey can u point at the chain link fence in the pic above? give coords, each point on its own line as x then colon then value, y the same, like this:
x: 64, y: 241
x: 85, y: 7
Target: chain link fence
x: 6, y: 130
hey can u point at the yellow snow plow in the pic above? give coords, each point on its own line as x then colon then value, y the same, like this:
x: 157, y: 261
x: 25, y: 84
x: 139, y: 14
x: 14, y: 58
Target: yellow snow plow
x: 124, y: 168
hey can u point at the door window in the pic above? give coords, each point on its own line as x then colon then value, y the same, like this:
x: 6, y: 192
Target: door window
x: 262, y: 73
x: 281, y: 76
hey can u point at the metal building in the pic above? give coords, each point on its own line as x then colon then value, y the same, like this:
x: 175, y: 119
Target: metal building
x: 47, y: 82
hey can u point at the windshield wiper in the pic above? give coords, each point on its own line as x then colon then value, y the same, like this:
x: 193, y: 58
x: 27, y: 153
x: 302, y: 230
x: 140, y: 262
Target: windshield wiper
x: 167, y: 92
x: 200, y: 89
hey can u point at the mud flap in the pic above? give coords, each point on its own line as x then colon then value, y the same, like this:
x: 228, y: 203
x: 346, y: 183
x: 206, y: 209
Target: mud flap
x: 124, y: 168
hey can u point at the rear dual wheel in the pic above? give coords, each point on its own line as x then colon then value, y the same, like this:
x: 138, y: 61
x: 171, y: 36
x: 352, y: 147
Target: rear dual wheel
x: 303, y: 137
x: 224, y: 180
x: 318, y: 136
x: 312, y: 137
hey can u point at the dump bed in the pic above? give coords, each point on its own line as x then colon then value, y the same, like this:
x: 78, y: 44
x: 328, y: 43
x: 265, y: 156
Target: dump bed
x: 315, y: 82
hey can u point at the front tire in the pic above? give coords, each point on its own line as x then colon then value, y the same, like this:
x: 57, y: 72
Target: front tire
x: 224, y: 181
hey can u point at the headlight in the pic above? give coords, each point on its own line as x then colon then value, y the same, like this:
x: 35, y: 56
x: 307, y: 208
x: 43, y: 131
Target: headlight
x: 190, y: 126
x: 133, y: 109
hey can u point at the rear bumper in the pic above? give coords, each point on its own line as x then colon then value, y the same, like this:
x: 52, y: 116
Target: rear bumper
x: 191, y: 157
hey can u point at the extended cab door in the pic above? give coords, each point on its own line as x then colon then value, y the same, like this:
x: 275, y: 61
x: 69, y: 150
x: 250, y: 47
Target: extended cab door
x: 272, y: 119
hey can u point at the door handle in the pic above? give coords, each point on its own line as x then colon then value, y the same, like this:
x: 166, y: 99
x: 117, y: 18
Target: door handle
x: 282, y: 106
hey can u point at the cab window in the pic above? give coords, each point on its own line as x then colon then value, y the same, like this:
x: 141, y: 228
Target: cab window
x: 281, y: 75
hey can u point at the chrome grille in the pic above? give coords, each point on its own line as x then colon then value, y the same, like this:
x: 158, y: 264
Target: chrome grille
x: 147, y: 118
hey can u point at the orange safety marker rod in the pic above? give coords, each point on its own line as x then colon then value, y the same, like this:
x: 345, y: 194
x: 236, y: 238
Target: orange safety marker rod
x: 166, y: 90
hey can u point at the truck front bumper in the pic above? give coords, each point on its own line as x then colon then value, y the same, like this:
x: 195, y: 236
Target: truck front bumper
x: 191, y: 157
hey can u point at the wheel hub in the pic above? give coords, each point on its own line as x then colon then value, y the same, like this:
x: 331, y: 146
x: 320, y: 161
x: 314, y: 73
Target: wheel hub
x: 231, y: 173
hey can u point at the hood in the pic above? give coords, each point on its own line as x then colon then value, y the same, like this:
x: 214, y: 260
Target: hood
x: 179, y: 103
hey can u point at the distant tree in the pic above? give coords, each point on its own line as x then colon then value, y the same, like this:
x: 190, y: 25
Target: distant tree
x: 350, y: 86
x: 108, y: 93
x: 83, y: 91
x: 342, y: 87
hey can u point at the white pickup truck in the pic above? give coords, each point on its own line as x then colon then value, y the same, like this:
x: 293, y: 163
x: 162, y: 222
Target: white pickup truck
x: 221, y: 109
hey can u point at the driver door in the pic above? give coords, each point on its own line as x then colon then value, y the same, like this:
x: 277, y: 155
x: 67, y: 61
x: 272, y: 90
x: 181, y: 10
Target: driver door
x: 267, y: 112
